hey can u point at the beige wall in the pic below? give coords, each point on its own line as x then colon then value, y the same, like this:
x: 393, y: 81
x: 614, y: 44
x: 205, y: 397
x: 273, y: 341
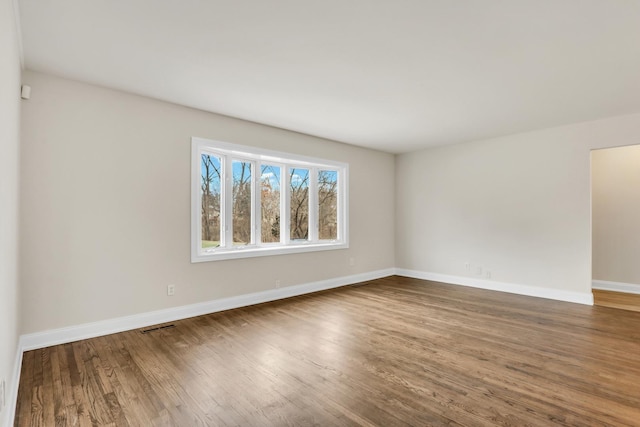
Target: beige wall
x: 9, y: 148
x: 616, y: 214
x: 518, y: 205
x: 106, y: 207
x: 105, y: 202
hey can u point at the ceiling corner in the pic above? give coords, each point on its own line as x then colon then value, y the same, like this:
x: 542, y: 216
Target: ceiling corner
x: 16, y: 17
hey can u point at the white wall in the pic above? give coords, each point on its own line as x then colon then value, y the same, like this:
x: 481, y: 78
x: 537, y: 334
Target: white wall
x: 616, y: 214
x: 9, y: 148
x: 518, y: 205
x: 106, y: 207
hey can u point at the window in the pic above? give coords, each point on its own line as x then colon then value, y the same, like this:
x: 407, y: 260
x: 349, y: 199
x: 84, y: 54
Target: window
x: 299, y: 204
x: 252, y: 202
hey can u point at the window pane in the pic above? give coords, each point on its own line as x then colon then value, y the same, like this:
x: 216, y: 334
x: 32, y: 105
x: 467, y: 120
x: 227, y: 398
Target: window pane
x: 299, y: 212
x: 270, y: 203
x: 327, y: 205
x: 210, y: 193
x: 241, y: 202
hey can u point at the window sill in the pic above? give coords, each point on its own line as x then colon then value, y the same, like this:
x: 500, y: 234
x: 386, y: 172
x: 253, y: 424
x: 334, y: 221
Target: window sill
x: 250, y: 252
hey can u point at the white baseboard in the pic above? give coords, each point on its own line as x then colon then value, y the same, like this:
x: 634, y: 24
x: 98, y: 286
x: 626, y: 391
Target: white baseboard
x: 532, y: 291
x: 90, y: 330
x: 110, y: 326
x: 604, y: 285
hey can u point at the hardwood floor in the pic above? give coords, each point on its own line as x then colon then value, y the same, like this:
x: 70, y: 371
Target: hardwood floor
x: 390, y: 352
x: 619, y: 300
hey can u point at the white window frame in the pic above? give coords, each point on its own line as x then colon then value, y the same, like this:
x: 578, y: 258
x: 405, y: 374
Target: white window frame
x: 229, y: 152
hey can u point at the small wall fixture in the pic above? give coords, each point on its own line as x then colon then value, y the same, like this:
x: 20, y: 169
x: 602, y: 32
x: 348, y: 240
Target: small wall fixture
x: 25, y: 92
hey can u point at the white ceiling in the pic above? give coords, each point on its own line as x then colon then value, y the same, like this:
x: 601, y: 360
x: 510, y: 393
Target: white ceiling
x: 393, y: 75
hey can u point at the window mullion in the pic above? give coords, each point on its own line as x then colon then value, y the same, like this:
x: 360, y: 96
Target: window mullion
x: 197, y: 196
x: 285, y: 210
x: 341, y: 204
x: 228, y: 202
x: 313, y: 204
x: 256, y: 211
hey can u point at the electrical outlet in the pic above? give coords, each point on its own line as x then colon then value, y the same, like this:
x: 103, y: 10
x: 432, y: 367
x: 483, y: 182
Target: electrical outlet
x: 487, y: 274
x: 171, y: 290
x: 277, y: 283
x: 352, y: 261
x: 467, y: 266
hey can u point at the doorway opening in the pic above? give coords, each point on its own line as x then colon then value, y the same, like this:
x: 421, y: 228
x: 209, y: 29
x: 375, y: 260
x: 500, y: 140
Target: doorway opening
x: 615, y: 227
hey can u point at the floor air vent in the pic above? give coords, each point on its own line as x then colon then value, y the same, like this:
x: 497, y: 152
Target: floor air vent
x: 157, y: 328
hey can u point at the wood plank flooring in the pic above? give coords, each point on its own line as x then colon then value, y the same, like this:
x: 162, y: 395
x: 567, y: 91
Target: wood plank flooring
x: 619, y: 300
x: 390, y: 352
